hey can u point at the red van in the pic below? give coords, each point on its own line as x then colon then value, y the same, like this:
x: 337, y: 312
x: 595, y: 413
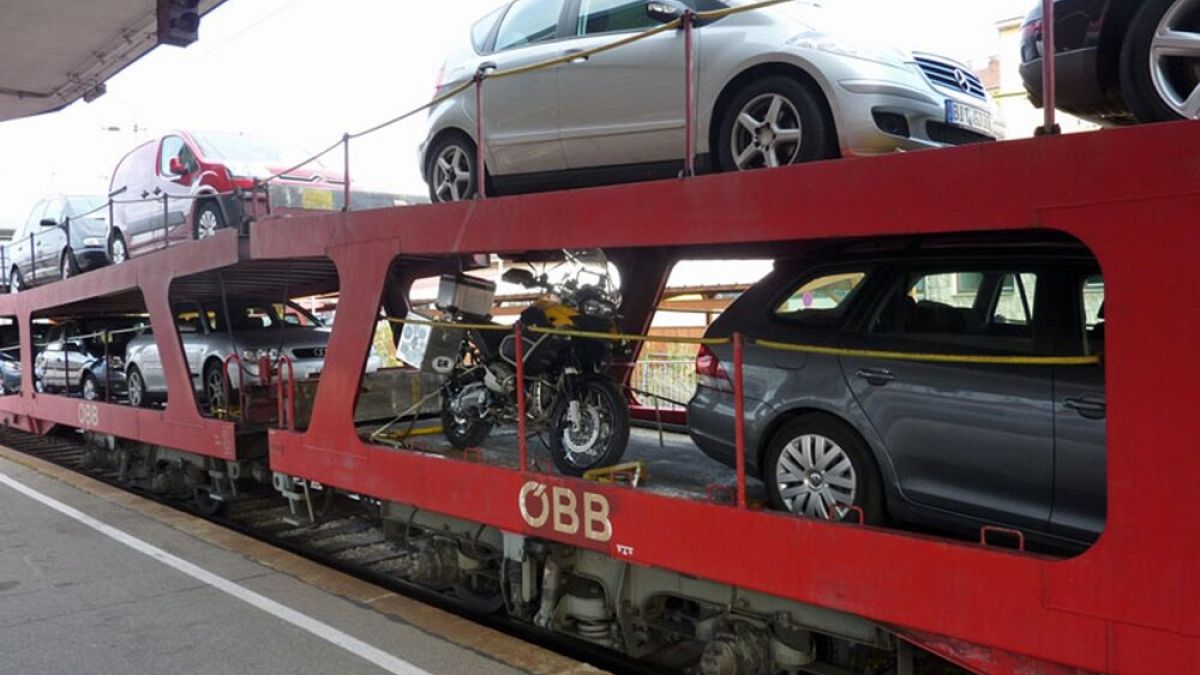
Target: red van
x: 186, y: 185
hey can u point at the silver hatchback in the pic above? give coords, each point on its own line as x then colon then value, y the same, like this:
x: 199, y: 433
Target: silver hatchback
x: 774, y: 86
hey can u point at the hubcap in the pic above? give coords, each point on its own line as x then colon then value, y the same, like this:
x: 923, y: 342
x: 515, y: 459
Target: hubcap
x: 66, y: 267
x: 767, y: 133
x: 1175, y: 58
x: 135, y: 389
x: 452, y: 173
x: 814, y: 474
x: 206, y: 226
x: 118, y: 250
x: 216, y: 389
x: 89, y: 389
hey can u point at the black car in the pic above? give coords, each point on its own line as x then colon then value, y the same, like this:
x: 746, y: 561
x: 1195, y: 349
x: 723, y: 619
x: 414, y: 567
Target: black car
x: 64, y: 235
x: 85, y: 356
x: 1119, y: 61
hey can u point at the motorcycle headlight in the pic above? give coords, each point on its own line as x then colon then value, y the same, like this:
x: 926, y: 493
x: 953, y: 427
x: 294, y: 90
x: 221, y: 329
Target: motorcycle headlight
x: 599, y: 308
x: 93, y: 241
x: 836, y: 44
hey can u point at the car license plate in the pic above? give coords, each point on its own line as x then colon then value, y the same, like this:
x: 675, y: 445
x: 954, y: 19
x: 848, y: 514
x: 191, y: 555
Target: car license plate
x: 970, y: 117
x: 321, y: 200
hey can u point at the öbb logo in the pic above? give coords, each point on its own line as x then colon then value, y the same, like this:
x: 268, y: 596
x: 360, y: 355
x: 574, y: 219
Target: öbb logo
x: 560, y: 507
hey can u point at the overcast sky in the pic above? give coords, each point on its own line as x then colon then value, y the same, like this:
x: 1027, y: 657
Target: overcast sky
x: 306, y: 71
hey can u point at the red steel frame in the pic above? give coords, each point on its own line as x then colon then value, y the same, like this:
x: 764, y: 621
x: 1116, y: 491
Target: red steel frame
x: 1129, y: 604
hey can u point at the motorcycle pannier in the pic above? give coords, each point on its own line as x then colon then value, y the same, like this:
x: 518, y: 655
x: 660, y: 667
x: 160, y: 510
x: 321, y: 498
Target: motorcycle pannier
x: 465, y: 294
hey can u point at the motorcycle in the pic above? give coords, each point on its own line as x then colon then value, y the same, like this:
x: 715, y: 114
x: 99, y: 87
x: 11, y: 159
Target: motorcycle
x: 567, y: 394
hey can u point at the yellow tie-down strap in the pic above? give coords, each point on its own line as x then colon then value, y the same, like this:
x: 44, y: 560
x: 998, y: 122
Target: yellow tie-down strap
x: 933, y: 357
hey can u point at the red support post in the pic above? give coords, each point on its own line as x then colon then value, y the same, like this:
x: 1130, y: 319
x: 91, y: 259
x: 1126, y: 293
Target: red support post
x: 739, y: 422
x: 346, y: 172
x: 522, y: 448
x: 480, y: 146
x: 689, y: 96
x: 1049, y: 88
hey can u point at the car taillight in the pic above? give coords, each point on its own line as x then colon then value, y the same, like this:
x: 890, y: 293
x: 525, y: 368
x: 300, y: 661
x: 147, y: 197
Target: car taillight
x: 709, y: 371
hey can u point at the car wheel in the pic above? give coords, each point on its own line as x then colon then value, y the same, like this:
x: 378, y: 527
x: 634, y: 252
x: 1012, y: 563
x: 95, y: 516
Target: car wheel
x: 68, y: 268
x: 117, y: 251
x: 208, y: 220
x: 15, y: 281
x: 816, y: 463
x: 90, y: 388
x: 452, y: 168
x: 135, y: 385
x: 215, y: 385
x: 775, y: 121
x: 1160, y: 61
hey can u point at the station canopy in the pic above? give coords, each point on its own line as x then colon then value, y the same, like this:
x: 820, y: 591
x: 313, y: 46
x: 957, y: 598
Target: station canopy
x: 54, y: 52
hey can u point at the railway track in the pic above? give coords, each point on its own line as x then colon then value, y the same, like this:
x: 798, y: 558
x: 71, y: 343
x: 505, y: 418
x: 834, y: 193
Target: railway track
x: 346, y: 535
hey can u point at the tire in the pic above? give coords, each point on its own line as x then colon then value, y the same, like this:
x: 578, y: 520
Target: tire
x: 1157, y: 89
x: 591, y: 445
x: 68, y: 267
x: 216, y: 383
x: 89, y: 388
x: 135, y: 385
x: 118, y: 251
x: 451, y: 169
x: 801, y: 109
x: 463, y: 433
x: 208, y: 220
x: 814, y: 486
x: 16, y: 282
x: 204, y: 504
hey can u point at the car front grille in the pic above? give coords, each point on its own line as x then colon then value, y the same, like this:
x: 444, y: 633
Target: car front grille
x: 952, y: 76
x: 309, y: 353
x: 949, y: 134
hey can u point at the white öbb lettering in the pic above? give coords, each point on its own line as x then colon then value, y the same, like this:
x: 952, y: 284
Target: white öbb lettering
x: 561, y: 508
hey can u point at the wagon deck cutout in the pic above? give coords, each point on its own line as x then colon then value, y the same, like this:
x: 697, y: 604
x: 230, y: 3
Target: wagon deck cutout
x: 631, y: 557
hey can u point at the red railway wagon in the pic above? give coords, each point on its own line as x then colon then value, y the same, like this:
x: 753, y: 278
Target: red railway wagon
x: 752, y: 591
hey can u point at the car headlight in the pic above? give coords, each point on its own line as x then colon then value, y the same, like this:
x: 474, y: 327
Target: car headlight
x: 836, y: 44
x: 93, y: 241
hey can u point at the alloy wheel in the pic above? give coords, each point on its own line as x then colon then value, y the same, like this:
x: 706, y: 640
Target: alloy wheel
x: 90, y: 392
x: 214, y: 387
x: 1175, y: 58
x: 66, y: 266
x: 137, y: 390
x: 206, y: 224
x: 815, y: 475
x: 452, y: 174
x: 768, y: 133
x: 117, y: 250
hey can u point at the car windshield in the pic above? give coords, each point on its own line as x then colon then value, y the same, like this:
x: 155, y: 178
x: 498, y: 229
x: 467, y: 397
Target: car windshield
x: 256, y: 315
x: 92, y: 205
x: 228, y: 147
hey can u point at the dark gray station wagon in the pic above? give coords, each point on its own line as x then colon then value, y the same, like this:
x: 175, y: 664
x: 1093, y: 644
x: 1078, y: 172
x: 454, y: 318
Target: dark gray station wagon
x: 942, y: 445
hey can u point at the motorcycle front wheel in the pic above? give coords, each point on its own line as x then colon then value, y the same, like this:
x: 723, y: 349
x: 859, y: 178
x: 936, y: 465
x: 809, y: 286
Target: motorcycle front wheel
x: 589, y: 426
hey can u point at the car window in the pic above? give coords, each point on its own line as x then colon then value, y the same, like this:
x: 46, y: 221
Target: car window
x: 1093, y: 313
x: 820, y: 299
x: 171, y: 147
x: 483, y: 29
x: 35, y: 217
x: 529, y: 21
x: 607, y: 16
x: 54, y: 211
x: 986, y: 309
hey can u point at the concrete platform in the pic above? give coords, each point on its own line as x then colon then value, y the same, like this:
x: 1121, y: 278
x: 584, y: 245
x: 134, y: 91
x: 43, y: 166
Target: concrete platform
x: 94, y: 580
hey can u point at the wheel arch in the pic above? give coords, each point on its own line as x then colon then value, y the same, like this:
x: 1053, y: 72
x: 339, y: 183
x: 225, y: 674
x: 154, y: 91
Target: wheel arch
x: 883, y: 468
x: 1118, y: 17
x: 760, y: 70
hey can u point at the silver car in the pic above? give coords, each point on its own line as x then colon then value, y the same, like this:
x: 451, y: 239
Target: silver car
x: 251, y: 329
x: 774, y: 86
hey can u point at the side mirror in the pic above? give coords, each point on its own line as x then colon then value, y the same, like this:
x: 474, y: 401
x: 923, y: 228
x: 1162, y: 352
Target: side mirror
x: 520, y: 277
x: 48, y: 222
x: 663, y: 11
x: 176, y: 167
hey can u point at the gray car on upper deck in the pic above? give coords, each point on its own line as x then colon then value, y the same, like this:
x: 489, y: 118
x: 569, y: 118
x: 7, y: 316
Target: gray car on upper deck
x: 952, y: 445
x: 773, y: 86
x: 63, y: 235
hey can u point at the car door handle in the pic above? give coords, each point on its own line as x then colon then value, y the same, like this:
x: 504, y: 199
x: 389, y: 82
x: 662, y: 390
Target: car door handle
x: 579, y: 56
x: 157, y: 191
x: 486, y: 68
x: 1091, y: 408
x: 145, y: 194
x: 876, y: 376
